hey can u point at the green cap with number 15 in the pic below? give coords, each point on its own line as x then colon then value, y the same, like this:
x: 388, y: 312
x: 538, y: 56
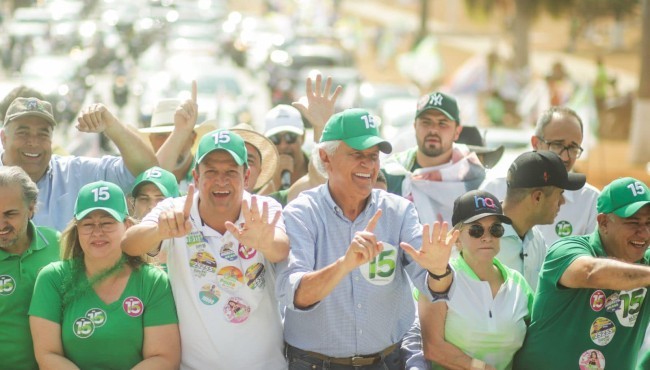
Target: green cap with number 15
x: 223, y: 140
x: 623, y: 197
x: 357, y: 128
x: 102, y: 195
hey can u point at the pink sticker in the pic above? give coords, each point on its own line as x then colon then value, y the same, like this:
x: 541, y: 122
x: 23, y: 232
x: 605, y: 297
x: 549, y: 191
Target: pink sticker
x: 592, y: 359
x: 236, y: 310
x: 246, y: 252
x: 597, y: 300
x: 133, y: 306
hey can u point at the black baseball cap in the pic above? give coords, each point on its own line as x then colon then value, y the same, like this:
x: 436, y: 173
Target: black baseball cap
x: 542, y: 168
x: 475, y: 205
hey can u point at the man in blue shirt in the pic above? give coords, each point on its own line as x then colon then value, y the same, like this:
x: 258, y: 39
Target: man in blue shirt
x: 27, y: 140
x: 345, y: 285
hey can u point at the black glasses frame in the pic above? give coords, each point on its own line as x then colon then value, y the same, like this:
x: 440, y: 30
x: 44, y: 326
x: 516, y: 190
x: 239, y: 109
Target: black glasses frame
x: 288, y: 137
x: 477, y: 230
x: 575, y: 151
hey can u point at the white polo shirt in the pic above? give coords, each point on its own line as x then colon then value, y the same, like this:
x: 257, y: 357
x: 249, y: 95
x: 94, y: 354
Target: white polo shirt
x: 225, y: 296
x: 576, y: 217
x: 524, y: 256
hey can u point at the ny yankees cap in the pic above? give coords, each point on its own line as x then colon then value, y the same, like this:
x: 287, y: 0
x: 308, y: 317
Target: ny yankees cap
x: 164, y: 180
x: 223, y: 139
x: 439, y: 101
x: 623, y: 197
x: 22, y: 107
x: 476, y: 204
x: 357, y: 128
x: 102, y: 195
x: 542, y: 168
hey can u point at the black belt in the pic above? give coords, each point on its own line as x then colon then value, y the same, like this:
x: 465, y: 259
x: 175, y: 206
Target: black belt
x: 360, y: 360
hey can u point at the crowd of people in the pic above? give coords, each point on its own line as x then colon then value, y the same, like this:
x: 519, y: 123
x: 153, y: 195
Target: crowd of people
x: 200, y: 247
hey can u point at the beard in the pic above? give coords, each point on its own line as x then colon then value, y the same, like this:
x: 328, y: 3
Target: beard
x: 8, y: 241
x: 429, y: 150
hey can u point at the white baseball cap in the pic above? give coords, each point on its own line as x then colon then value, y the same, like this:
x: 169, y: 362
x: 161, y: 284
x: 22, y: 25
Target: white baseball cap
x: 162, y: 118
x: 283, y: 118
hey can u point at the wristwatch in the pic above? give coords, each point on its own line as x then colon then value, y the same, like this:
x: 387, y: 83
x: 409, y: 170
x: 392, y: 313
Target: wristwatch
x: 438, y: 277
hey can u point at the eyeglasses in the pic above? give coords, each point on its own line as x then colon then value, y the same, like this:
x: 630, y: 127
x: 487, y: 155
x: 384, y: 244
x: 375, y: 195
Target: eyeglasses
x: 575, y: 151
x: 477, y: 230
x: 288, y: 137
x: 104, y: 227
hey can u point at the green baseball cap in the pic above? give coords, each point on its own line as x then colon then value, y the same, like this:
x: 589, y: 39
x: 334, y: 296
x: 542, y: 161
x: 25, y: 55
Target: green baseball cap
x: 223, y: 139
x: 102, y: 195
x: 439, y: 101
x: 164, y: 180
x: 357, y: 128
x: 623, y: 197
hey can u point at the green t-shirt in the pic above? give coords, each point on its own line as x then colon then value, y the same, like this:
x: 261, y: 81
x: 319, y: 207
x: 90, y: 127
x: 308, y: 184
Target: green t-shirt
x: 97, y: 335
x: 644, y: 361
x: 280, y: 196
x: 17, y: 277
x: 582, y: 328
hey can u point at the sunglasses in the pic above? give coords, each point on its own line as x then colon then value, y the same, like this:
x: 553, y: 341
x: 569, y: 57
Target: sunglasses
x: 288, y: 137
x: 477, y: 230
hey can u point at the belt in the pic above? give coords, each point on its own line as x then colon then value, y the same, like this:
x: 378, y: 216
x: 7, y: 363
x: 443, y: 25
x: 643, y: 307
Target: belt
x: 359, y: 360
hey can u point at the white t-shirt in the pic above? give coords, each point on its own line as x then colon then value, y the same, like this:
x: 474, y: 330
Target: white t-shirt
x: 225, y: 296
x: 576, y: 217
x: 524, y: 256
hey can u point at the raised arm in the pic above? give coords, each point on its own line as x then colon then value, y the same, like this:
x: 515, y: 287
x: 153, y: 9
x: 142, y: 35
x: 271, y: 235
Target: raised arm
x: 605, y: 273
x: 184, y: 122
x: 320, y: 104
x: 138, y: 155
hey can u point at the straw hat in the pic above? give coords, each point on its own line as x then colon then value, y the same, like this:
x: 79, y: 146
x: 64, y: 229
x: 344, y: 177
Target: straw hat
x: 267, y: 150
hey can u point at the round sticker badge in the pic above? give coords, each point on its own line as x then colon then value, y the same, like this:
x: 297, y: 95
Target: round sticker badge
x: 245, y: 252
x: 592, y: 359
x: 203, y: 263
x: 236, y: 310
x: 133, y: 306
x: 83, y: 327
x: 381, y: 270
x: 7, y: 285
x: 228, y: 252
x: 631, y: 304
x: 563, y: 228
x: 254, y: 277
x: 612, y: 303
x: 97, y: 316
x: 209, y: 294
x: 597, y: 300
x: 230, y: 278
x: 602, y: 331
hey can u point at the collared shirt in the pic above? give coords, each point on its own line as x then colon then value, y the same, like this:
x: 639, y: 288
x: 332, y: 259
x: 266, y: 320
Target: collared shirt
x: 59, y: 186
x: 524, y: 256
x: 17, y: 277
x: 371, y: 308
x: 576, y: 217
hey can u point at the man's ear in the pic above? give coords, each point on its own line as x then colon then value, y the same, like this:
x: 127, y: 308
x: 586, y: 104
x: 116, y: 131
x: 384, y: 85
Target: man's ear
x: 537, y: 195
x: 534, y: 142
x: 459, y: 129
x: 603, y: 221
x: 247, y: 174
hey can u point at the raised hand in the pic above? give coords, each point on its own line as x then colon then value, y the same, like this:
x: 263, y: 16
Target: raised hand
x: 95, y: 118
x: 187, y: 113
x: 256, y: 232
x: 436, y: 248
x: 174, y: 222
x: 364, y: 246
x: 320, y: 104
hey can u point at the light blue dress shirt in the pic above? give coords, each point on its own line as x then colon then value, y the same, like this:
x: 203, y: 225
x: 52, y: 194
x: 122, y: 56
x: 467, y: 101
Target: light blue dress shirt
x: 372, y: 307
x: 59, y: 186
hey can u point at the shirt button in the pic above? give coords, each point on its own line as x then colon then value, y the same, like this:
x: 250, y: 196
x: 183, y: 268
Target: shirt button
x: 359, y: 305
x: 356, y: 278
x: 360, y: 331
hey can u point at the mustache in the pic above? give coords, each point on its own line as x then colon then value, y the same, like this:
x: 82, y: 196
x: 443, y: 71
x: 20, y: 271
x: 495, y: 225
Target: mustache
x: 434, y: 136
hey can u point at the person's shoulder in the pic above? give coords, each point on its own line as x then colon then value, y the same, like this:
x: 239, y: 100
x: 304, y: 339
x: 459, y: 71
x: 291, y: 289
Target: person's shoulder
x: 588, y: 191
x: 48, y: 233
x: 389, y: 201
x: 571, y: 242
x: 271, y: 201
x: 153, y: 272
x: 57, y: 268
x: 308, y: 198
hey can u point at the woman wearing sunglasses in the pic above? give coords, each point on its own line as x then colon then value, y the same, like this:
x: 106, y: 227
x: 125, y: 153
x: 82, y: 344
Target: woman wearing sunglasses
x: 484, y: 321
x: 98, y: 308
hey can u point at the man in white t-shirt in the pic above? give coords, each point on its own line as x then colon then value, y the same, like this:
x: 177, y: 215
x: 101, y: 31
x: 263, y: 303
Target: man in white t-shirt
x: 222, y: 243
x: 560, y: 130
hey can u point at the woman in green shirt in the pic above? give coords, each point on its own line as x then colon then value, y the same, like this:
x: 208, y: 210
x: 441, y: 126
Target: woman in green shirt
x: 98, y: 308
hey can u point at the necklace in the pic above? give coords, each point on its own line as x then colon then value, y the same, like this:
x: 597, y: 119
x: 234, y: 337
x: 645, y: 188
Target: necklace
x: 75, y: 286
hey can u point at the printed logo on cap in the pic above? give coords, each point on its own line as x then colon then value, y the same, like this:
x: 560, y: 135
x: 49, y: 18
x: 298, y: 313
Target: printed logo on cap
x: 602, y: 331
x: 483, y: 202
x: 83, y: 327
x: 133, y: 306
x: 597, y: 300
x: 97, y: 316
x: 631, y: 302
x: 592, y: 359
x: 7, y: 285
x: 381, y: 270
x: 435, y: 99
x: 563, y: 228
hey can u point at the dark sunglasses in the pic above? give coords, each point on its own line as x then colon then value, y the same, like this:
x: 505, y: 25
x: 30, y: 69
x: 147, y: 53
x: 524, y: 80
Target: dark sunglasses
x: 477, y: 230
x: 288, y: 137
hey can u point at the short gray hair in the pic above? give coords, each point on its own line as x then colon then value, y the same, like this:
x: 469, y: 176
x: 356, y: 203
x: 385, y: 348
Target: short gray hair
x: 14, y: 175
x: 547, y: 116
x: 329, y: 147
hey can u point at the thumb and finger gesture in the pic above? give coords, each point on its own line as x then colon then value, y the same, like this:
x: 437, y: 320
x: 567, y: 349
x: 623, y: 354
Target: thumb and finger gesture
x: 256, y: 231
x: 187, y: 113
x: 436, y: 247
x: 364, y: 247
x: 175, y: 222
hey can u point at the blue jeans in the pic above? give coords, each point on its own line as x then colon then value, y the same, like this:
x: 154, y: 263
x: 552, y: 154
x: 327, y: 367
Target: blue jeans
x: 300, y: 360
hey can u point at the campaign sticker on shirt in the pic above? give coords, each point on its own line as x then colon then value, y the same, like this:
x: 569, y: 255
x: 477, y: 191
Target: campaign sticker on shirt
x: 254, y: 277
x: 97, y: 316
x: 209, y: 294
x: 7, y: 285
x: 227, y: 252
x: 602, y: 331
x: 563, y: 228
x: 203, y: 263
x: 83, y: 327
x: 592, y: 359
x: 230, y: 278
x: 194, y: 238
x: 381, y: 270
x: 597, y: 300
x: 631, y: 303
x: 612, y: 303
x: 246, y: 252
x: 236, y: 310
x: 133, y: 306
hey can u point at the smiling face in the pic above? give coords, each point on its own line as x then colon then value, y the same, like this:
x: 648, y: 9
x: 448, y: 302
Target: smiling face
x: 220, y: 182
x: 352, y: 172
x: 14, y: 219
x: 27, y: 142
x: 625, y: 238
x: 100, y: 235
